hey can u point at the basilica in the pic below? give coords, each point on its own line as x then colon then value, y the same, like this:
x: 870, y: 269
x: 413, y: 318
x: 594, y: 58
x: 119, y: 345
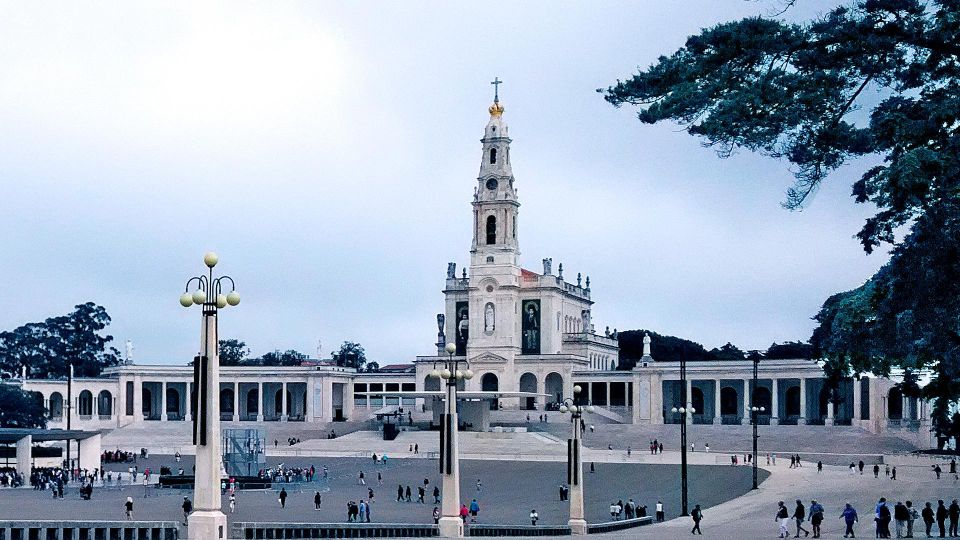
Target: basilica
x: 528, y: 337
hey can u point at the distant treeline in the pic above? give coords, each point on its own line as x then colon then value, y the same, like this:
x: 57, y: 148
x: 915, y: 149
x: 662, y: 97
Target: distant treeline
x: 664, y: 347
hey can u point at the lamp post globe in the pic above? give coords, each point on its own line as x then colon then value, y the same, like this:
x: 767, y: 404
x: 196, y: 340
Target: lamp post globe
x: 450, y: 348
x: 210, y: 259
x: 233, y: 298
x: 199, y: 297
x: 186, y: 299
x: 468, y: 374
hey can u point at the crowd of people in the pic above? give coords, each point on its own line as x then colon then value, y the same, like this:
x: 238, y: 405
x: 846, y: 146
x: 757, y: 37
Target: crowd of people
x: 902, y: 514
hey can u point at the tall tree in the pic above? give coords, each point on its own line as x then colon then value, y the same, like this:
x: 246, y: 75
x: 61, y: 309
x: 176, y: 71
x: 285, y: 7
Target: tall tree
x: 20, y: 409
x: 350, y: 355
x: 286, y: 358
x: 48, y: 348
x: 233, y: 352
x: 795, y: 92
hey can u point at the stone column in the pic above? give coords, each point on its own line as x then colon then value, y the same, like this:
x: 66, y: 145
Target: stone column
x: 163, y: 401
x: 137, y: 399
x: 689, y: 403
x: 308, y: 414
x: 906, y: 409
x: 717, y: 419
x: 803, y: 403
x: 609, y: 401
x: 24, y: 458
x: 283, y: 402
x: 774, y: 402
x: 236, y: 401
x: 577, y: 523
x: 656, y: 400
x: 90, y: 451
x: 450, y: 524
x: 542, y: 389
x: 260, y: 401
x: 188, y: 414
x: 745, y: 420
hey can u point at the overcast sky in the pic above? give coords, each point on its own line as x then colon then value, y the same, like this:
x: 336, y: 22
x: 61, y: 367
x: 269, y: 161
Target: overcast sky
x: 328, y: 152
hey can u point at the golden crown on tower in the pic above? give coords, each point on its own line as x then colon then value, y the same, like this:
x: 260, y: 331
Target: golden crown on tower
x: 496, y: 109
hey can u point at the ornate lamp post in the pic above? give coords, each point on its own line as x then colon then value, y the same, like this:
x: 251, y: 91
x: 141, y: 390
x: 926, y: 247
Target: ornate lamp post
x: 207, y: 520
x: 683, y: 410
x: 753, y: 413
x: 451, y: 526
x: 574, y: 405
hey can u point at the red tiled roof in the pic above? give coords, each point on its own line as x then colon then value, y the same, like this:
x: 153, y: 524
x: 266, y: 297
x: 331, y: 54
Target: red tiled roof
x: 527, y: 275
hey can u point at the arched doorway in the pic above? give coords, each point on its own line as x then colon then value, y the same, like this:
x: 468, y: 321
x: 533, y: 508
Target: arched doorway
x: 792, y: 405
x: 528, y: 383
x: 895, y: 404
x: 490, y: 383
x: 728, y: 401
x: 146, y: 406
x: 431, y: 384
x: 55, y: 410
x: 696, y: 400
x: 761, y: 398
x: 173, y: 404
x: 105, y: 404
x: 278, y: 404
x: 253, y: 402
x: 85, y: 404
x: 226, y: 401
x: 553, y: 386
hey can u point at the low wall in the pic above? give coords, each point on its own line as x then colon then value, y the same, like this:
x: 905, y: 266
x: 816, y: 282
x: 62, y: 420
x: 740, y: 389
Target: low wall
x: 89, y: 530
x: 618, y: 525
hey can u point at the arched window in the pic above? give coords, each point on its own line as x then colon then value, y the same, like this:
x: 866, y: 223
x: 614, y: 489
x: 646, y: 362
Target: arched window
x: 493, y: 155
x: 728, y: 401
x: 491, y: 230
x: 85, y: 403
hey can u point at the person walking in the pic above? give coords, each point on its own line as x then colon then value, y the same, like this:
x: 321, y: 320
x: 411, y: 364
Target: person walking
x: 816, y: 517
x: 819, y: 467
x: 420, y: 494
x: 883, y: 519
x: 128, y: 506
x: 317, y: 500
x: 399, y: 492
x: 379, y: 478
x: 954, y: 511
x: 233, y: 502
x: 937, y: 470
x: 436, y: 515
x: 893, y: 473
x: 927, y: 515
x: 479, y: 485
x: 697, y: 516
x: 464, y: 513
x: 876, y: 470
x: 282, y: 498
x: 782, y: 519
x: 659, y: 510
x: 860, y: 465
x: 360, y: 479
x: 534, y: 516
x: 436, y: 495
x: 849, y: 517
x: 474, y: 510
x: 187, y: 507
x: 407, y: 493
x: 941, y: 518
x: 799, y: 514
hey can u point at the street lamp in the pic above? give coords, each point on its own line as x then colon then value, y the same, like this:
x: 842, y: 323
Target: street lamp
x: 576, y: 408
x: 207, y: 520
x: 683, y: 411
x: 755, y: 356
x: 451, y: 526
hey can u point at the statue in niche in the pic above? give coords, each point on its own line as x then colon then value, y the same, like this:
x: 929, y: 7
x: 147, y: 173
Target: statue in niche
x: 488, y: 319
x: 451, y: 270
x: 463, y: 327
x: 585, y: 315
x: 531, y: 327
x: 547, y: 264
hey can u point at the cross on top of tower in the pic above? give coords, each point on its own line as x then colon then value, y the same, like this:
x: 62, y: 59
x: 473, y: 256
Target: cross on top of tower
x: 496, y: 82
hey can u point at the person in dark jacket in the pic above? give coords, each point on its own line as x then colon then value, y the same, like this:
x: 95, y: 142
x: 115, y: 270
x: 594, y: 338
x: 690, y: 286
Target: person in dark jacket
x: 927, y: 515
x: 883, y: 519
x: 816, y: 517
x: 901, y: 515
x: 799, y: 514
x: 941, y: 518
x: 781, y: 519
x: 954, y: 511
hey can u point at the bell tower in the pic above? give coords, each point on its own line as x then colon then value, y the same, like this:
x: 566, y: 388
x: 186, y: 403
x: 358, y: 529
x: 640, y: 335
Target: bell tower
x: 495, y: 201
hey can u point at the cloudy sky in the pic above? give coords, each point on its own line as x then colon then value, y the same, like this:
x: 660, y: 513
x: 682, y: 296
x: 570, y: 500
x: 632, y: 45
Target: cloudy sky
x: 328, y: 152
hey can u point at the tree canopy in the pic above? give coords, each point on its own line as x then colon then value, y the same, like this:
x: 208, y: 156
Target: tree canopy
x: 875, y: 78
x: 233, y: 352
x: 48, y: 348
x: 20, y: 409
x: 350, y: 355
x: 671, y: 348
